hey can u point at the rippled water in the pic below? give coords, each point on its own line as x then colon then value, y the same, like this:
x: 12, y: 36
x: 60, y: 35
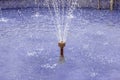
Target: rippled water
x: 29, y: 50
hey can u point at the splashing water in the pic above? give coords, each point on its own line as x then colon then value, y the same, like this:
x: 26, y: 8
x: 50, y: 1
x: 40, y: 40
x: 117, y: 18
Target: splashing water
x: 2, y: 19
x: 62, y: 14
x: 37, y: 14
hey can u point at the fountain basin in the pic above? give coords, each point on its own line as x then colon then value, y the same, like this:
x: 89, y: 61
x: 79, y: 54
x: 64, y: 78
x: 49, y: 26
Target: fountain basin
x: 28, y: 49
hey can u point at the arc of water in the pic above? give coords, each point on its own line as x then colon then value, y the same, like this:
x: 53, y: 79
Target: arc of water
x: 56, y: 8
x: 61, y: 8
x: 73, y: 4
x: 63, y: 18
x: 52, y: 14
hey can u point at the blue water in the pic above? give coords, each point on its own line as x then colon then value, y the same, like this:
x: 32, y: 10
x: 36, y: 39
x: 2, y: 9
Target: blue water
x: 29, y: 47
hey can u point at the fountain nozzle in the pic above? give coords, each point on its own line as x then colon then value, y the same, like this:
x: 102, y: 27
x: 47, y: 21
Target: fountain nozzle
x: 61, y: 45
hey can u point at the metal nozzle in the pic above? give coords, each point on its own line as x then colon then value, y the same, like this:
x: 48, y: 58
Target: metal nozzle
x: 61, y: 45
